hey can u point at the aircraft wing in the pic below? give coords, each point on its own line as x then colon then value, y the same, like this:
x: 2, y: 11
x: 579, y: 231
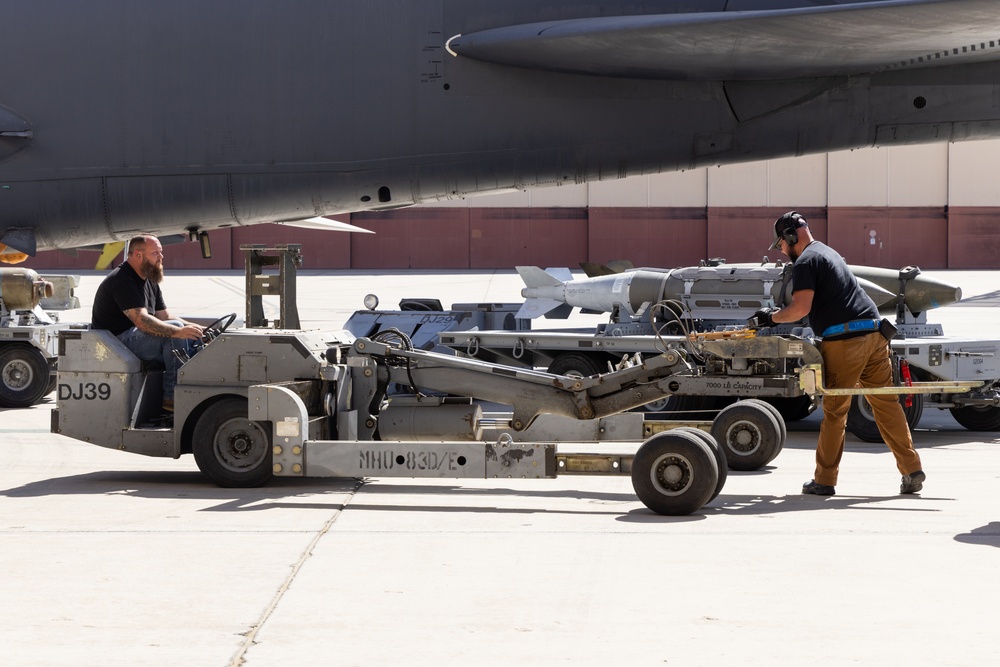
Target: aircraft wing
x: 832, y: 40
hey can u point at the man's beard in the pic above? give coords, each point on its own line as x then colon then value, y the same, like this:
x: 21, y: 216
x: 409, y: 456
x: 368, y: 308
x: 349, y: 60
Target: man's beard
x: 154, y: 272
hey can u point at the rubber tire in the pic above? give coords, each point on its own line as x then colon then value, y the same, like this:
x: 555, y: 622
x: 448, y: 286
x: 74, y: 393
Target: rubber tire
x: 217, y: 428
x: 720, y: 456
x: 691, y: 408
x: 792, y: 409
x: 659, y: 405
x: 680, y: 454
x: 861, y: 422
x: 747, y: 419
x: 24, y: 376
x: 678, y: 407
x: 977, y: 418
x: 782, y: 427
x: 575, y: 365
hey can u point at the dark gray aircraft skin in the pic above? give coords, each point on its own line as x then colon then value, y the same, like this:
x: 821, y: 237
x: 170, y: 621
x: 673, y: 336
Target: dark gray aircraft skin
x: 121, y: 116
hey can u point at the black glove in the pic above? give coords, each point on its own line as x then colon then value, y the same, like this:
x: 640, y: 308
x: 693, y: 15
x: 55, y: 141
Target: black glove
x: 762, y: 318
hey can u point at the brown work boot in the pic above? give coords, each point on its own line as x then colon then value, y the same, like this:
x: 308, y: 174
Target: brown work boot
x: 168, y: 405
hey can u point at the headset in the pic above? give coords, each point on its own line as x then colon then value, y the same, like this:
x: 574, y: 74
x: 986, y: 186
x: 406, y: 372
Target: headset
x: 789, y: 223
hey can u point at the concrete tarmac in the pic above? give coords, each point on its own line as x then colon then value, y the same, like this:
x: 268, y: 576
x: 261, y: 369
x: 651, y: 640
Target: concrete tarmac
x: 112, y: 558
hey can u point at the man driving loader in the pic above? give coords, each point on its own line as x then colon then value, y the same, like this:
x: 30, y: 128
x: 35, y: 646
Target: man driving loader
x: 129, y: 303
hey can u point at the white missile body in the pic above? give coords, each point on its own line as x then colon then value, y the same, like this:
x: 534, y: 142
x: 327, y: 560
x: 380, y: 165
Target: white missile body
x: 724, y: 292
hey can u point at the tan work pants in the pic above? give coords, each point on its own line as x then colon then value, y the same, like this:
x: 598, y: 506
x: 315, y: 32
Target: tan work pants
x: 861, y: 360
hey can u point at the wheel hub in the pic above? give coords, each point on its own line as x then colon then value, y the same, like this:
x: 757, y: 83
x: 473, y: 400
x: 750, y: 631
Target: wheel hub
x: 17, y: 375
x: 744, y: 438
x: 672, y: 474
x: 239, y: 445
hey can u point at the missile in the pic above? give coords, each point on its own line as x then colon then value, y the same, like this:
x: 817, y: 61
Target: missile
x: 22, y: 289
x: 724, y: 292
x: 922, y: 292
x: 717, y: 291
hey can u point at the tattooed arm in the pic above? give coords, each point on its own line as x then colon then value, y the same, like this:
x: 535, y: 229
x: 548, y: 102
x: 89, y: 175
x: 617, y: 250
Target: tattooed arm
x: 146, y: 323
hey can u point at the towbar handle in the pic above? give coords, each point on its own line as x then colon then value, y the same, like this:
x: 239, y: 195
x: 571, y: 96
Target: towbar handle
x: 811, y: 382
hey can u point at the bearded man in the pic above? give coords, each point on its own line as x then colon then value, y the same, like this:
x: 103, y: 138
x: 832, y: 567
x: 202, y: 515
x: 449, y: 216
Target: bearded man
x: 130, y: 305
x: 855, y: 351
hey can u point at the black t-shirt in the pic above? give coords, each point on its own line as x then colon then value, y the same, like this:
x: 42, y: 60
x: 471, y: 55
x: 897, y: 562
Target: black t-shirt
x: 123, y: 290
x: 838, y: 298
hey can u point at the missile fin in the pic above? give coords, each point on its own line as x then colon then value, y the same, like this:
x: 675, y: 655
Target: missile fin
x: 561, y: 274
x: 593, y: 269
x: 620, y: 265
x: 533, y: 308
x: 535, y: 277
x: 561, y: 313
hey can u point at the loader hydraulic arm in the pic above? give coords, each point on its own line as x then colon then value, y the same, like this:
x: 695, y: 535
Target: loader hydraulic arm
x: 529, y: 392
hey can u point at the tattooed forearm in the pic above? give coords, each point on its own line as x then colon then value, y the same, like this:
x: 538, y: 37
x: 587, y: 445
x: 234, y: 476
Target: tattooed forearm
x: 149, y: 324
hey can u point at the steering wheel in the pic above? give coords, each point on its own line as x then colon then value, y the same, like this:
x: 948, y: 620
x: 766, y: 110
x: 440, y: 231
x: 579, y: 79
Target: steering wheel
x: 213, y: 330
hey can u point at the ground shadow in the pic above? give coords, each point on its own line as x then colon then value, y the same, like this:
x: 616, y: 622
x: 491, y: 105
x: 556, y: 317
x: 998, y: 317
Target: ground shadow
x: 758, y: 505
x: 183, y: 484
x: 194, y: 486
x: 988, y: 535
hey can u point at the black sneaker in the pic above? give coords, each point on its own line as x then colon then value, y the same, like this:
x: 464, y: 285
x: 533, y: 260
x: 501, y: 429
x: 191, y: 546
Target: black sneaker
x: 815, y: 489
x: 913, y: 482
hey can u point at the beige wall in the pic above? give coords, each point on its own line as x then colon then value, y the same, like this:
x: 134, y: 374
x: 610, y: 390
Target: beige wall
x: 960, y: 174
x: 975, y: 174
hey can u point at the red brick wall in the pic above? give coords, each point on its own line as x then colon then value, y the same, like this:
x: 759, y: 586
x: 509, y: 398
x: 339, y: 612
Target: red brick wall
x: 973, y: 238
x: 891, y: 237
x: 415, y: 238
x: 501, y: 238
x: 656, y: 237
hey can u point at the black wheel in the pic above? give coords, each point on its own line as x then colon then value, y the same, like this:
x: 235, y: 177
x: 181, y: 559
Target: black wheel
x: 576, y: 365
x: 229, y: 449
x: 720, y: 457
x: 782, y: 427
x: 792, y: 409
x: 748, y: 433
x: 678, y: 407
x: 978, y: 418
x: 659, y: 405
x: 861, y: 419
x: 24, y: 376
x: 691, y: 408
x: 674, y: 473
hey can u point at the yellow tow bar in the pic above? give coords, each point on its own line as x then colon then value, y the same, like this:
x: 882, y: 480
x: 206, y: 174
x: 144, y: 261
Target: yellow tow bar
x: 811, y: 382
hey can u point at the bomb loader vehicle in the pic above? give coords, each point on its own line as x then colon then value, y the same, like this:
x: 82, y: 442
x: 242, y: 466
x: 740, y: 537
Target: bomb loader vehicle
x: 254, y: 404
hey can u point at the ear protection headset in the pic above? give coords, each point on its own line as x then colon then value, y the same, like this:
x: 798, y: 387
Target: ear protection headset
x: 785, y: 228
x: 790, y: 234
